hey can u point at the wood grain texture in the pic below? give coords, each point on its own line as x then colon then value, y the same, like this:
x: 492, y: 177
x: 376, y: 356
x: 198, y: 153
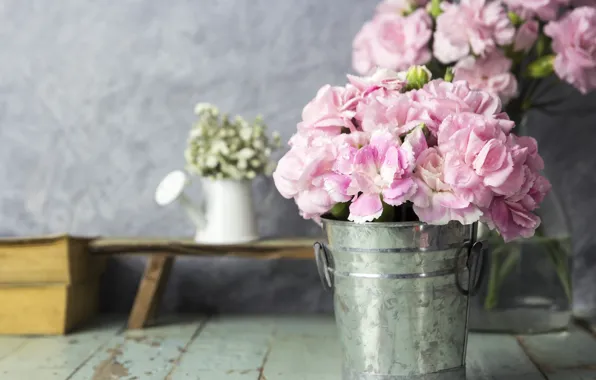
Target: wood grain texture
x: 147, y: 355
x: 47, y: 259
x: 151, y: 288
x: 229, y: 345
x: 262, y: 348
x: 46, y: 308
x: 562, y: 355
x: 57, y: 357
x: 297, y: 248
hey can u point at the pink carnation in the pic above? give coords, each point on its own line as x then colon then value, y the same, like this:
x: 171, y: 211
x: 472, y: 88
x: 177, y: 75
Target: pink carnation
x: 543, y: 9
x: 574, y: 42
x: 471, y: 27
x: 382, y: 168
x: 399, y: 113
x: 480, y: 159
x: 300, y: 173
x: 442, y: 99
x: 393, y: 41
x: 445, y: 148
x: 526, y: 36
x: 383, y: 82
x: 511, y: 219
x: 490, y: 73
x: 330, y: 110
x: 434, y: 201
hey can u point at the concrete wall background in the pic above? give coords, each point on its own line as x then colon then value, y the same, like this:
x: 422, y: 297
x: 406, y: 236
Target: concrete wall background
x: 96, y: 99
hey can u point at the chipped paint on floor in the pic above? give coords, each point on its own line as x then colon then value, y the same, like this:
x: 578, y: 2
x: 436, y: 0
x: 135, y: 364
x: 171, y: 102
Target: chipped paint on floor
x: 264, y: 348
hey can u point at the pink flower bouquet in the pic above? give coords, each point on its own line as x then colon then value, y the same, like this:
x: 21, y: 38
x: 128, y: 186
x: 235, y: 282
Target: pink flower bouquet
x: 506, y: 47
x: 397, y: 146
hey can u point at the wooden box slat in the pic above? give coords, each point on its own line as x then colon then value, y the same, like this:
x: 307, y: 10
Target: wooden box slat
x: 57, y: 259
x: 46, y: 309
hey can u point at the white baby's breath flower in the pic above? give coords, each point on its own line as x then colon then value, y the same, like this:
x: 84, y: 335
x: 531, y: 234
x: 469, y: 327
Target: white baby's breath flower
x: 200, y: 107
x: 245, y: 134
x: 245, y: 153
x: 242, y: 164
x: 258, y: 144
x: 211, y: 161
x: 221, y: 146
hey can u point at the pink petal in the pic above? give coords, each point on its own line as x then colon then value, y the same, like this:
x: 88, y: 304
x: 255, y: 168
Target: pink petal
x: 417, y: 141
x: 366, y: 208
x: 434, y: 214
x: 399, y: 191
x: 450, y: 200
x: 509, y: 185
x: 390, y: 164
x: 336, y: 186
x: 365, y: 161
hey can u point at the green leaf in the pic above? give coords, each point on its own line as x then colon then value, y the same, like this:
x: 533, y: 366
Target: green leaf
x: 388, y: 213
x: 542, y: 67
x: 341, y: 211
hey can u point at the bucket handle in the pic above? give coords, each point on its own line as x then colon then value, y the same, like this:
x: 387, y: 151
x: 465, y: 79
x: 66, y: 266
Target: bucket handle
x: 323, y: 260
x: 474, y: 262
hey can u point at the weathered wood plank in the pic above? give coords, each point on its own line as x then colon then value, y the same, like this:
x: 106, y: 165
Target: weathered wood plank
x: 237, y: 347
x: 154, y: 280
x: 59, y: 356
x: 37, y: 373
x: 297, y: 357
x: 216, y: 375
x: 10, y: 344
x: 299, y: 248
x: 315, y: 326
x: 149, y: 354
x: 568, y: 355
x: 498, y: 357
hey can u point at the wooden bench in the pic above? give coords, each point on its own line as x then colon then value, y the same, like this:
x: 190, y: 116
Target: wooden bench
x: 162, y: 254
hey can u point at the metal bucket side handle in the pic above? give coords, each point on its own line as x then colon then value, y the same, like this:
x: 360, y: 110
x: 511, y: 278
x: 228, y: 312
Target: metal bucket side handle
x: 324, y: 260
x: 473, y: 261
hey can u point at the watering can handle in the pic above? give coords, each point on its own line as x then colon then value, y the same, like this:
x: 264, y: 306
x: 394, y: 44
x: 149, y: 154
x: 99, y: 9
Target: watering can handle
x: 323, y: 265
x: 474, y: 262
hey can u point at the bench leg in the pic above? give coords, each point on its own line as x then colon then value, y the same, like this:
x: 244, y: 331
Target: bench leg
x: 153, y: 283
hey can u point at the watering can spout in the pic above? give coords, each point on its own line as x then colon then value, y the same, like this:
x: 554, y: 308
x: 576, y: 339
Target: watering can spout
x: 171, y: 189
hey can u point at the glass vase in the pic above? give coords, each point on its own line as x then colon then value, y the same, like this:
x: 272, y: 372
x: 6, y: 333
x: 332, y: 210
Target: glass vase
x: 527, y: 286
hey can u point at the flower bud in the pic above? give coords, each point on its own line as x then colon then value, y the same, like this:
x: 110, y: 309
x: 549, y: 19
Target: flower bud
x: 449, y: 74
x: 417, y: 77
x: 514, y: 18
x: 435, y: 8
x: 526, y: 36
x: 542, y: 67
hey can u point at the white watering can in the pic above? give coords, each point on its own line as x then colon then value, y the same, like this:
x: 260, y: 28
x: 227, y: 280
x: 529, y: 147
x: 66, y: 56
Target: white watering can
x: 225, y: 216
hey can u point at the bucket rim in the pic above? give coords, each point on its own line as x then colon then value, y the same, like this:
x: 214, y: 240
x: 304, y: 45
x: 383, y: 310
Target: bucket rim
x: 330, y: 221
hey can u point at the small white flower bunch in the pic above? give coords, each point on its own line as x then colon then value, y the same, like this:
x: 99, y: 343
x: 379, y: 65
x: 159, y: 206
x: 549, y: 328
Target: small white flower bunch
x: 222, y: 148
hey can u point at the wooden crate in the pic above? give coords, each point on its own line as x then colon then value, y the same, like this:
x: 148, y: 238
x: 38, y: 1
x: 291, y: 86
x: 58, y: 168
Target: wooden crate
x: 48, y: 259
x: 48, y: 285
x: 46, y: 309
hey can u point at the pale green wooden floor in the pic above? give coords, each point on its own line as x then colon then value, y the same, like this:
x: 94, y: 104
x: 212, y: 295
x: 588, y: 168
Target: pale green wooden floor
x: 264, y: 348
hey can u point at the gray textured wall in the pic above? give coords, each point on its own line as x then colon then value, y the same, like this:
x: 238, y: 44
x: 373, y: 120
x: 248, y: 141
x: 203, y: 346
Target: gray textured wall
x: 96, y: 99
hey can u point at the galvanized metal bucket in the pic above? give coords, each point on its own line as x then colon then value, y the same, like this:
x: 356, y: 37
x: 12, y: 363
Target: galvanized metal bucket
x: 401, y: 296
